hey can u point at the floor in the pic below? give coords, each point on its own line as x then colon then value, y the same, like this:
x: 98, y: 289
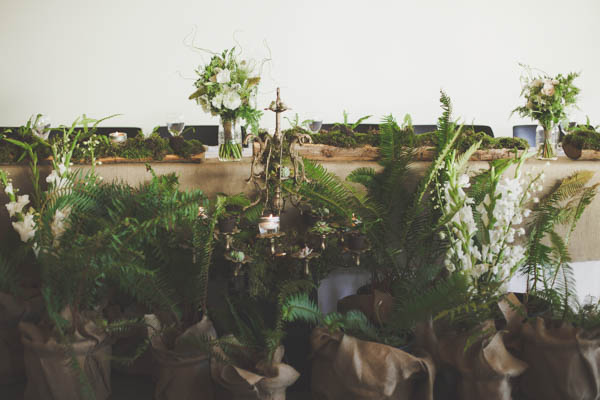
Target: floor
x: 125, y: 387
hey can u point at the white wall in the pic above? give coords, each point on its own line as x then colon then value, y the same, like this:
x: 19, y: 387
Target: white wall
x: 67, y: 57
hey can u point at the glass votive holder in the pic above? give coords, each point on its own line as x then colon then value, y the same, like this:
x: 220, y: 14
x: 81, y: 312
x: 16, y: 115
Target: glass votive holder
x: 268, y: 224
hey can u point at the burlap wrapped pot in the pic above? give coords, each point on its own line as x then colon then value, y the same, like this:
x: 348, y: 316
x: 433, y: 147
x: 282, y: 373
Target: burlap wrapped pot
x: 345, y: 367
x: 485, y: 367
x: 240, y: 384
x: 564, y: 361
x: 50, y: 373
x: 182, y: 373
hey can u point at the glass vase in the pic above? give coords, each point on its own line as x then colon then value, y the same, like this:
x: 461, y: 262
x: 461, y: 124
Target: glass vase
x: 546, y: 140
x: 230, y: 140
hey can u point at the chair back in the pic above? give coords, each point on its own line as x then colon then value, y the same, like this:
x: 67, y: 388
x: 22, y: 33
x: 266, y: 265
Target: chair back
x: 526, y: 132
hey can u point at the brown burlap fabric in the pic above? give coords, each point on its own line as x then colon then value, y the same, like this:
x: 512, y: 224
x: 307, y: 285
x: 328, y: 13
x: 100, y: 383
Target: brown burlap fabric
x: 11, y: 350
x: 240, y: 384
x: 376, y: 306
x: 345, y: 367
x: 486, y: 368
x: 50, y: 373
x: 182, y: 373
x: 564, y: 361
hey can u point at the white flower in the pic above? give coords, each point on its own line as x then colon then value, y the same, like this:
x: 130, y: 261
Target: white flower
x: 232, y: 100
x: 217, y: 101
x: 224, y: 76
x: 9, y: 189
x: 442, y: 235
x: 59, y: 224
x: 61, y: 169
x: 537, y: 82
x: 536, y: 200
x: 15, y: 207
x: 548, y: 89
x: 463, y: 181
x: 25, y: 228
x: 57, y: 182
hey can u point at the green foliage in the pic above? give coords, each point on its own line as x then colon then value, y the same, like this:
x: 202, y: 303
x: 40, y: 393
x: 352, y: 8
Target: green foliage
x: 300, y: 307
x: 345, y: 140
x: 583, y: 138
x: 549, y: 274
x: 346, y: 126
x: 469, y: 137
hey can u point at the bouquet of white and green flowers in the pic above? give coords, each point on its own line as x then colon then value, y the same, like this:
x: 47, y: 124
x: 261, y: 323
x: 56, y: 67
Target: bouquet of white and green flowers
x: 547, y: 100
x: 227, y: 87
x: 482, y: 227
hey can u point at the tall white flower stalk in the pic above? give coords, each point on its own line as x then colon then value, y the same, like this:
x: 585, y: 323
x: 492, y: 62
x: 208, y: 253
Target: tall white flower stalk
x: 483, y: 234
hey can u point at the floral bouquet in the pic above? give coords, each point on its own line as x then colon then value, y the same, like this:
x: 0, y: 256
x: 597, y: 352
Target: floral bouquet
x: 483, y: 224
x: 227, y: 87
x: 547, y: 99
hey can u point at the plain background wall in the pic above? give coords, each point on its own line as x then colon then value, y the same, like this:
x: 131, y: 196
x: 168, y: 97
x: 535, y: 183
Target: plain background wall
x: 67, y: 57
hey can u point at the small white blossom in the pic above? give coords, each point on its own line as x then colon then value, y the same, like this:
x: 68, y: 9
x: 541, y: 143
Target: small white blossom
x: 25, y: 228
x: 9, y: 189
x: 15, y: 207
x: 223, y: 76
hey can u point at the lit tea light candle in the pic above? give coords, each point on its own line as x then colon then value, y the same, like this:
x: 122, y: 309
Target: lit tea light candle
x: 118, y: 137
x: 268, y: 224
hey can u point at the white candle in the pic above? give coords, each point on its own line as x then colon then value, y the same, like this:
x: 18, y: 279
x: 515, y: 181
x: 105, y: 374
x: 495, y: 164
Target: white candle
x: 268, y: 224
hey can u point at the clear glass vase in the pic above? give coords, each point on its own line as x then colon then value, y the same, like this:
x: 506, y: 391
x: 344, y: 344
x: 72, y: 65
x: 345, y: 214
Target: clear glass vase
x: 546, y: 140
x: 230, y: 140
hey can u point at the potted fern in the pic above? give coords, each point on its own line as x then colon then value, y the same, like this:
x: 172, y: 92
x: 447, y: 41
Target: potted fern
x: 248, y: 361
x: 482, y: 221
x: 550, y: 330
x: 174, y: 231
x: 79, y: 251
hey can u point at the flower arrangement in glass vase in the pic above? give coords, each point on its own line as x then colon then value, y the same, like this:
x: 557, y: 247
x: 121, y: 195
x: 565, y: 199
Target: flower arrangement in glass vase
x: 227, y: 87
x: 483, y: 222
x: 547, y: 100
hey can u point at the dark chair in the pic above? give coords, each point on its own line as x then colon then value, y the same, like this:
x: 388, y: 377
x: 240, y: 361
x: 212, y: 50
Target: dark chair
x: 526, y: 132
x: 420, y: 129
x: 361, y: 128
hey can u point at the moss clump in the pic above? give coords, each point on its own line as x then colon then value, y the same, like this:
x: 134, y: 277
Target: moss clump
x: 583, y: 139
x: 153, y: 147
x: 470, y: 137
x: 342, y: 137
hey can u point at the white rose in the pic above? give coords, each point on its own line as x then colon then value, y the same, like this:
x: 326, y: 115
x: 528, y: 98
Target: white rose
x: 9, y: 189
x: 217, y: 101
x: 25, y: 228
x: 15, y: 207
x: 224, y: 76
x: 548, y: 89
x: 232, y: 100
